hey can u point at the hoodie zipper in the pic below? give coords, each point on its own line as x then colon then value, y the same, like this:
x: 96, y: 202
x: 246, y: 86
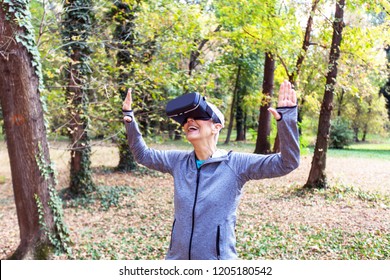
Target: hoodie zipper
x: 193, y: 212
x: 173, y: 228
x: 217, y: 242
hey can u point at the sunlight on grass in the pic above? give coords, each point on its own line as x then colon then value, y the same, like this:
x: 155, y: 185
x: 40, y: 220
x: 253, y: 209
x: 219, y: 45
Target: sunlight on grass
x: 380, y: 151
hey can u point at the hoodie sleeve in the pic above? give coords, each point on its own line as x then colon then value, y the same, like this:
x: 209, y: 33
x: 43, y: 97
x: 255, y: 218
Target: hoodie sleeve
x: 255, y: 166
x: 154, y: 159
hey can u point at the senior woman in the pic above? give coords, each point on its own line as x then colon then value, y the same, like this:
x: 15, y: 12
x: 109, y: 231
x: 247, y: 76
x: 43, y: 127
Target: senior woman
x: 208, y: 181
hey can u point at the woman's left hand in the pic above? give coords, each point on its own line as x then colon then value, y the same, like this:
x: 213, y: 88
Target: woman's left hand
x: 127, y: 105
x: 287, y: 98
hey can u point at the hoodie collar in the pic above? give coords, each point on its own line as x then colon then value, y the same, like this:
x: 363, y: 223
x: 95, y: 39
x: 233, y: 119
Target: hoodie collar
x: 218, y: 156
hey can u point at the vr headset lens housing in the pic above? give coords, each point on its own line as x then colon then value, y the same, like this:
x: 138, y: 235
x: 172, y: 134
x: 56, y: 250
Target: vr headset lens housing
x: 191, y: 105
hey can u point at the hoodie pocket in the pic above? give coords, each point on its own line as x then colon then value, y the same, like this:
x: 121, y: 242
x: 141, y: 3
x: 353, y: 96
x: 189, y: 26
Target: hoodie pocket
x: 173, y: 228
x: 218, y: 249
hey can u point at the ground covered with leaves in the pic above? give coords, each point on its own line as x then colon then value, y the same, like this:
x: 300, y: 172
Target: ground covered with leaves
x: 130, y: 215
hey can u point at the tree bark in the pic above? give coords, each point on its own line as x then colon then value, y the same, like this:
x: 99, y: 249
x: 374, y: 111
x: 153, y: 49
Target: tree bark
x: 317, y: 177
x: 305, y: 44
x: 80, y: 151
x: 240, y: 114
x: 385, y: 89
x: 340, y: 101
x: 32, y: 179
x: 124, y: 15
x: 195, y: 54
x: 233, y: 105
x: 263, y: 145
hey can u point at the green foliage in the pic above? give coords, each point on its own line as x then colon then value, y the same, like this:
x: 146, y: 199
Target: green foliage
x: 340, y: 134
x: 159, y: 37
x: 107, y: 196
x: 77, y: 27
x: 303, y: 242
x: 19, y: 10
x: 342, y: 192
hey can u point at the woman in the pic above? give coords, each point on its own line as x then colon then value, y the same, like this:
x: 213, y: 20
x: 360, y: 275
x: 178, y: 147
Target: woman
x: 208, y: 182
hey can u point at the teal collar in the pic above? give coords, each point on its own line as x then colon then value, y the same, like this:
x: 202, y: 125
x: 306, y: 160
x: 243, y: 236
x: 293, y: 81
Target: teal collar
x: 199, y: 163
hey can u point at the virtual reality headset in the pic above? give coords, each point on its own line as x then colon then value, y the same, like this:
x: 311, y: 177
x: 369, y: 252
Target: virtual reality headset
x: 191, y: 105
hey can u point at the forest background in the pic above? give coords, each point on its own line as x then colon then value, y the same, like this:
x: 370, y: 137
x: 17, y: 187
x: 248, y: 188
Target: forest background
x: 233, y: 52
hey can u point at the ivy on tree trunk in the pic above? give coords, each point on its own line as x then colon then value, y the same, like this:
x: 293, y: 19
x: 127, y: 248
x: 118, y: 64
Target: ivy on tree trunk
x: 38, y: 207
x: 77, y: 25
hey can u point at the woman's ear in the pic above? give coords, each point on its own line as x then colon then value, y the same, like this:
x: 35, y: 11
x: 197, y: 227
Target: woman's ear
x: 217, y: 127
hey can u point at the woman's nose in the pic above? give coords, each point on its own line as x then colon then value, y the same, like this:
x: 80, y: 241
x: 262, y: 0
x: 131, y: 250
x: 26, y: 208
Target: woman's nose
x: 190, y: 120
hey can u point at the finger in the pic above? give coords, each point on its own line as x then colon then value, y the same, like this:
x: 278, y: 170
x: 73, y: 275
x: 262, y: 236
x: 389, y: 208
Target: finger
x: 128, y: 98
x: 282, y: 91
x: 293, y: 96
x: 128, y: 101
x: 127, y: 119
x: 275, y: 113
x: 289, y: 87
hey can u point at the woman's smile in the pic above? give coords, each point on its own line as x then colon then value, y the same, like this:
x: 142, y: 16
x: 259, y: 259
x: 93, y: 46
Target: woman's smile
x: 192, y: 128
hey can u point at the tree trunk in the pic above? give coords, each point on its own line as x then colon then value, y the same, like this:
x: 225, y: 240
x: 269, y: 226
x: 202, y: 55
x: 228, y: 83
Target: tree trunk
x: 240, y: 114
x: 263, y: 145
x: 80, y: 151
x: 32, y: 177
x: 233, y: 105
x: 385, y: 90
x: 124, y: 16
x: 317, y: 176
x: 366, y: 125
x: 195, y: 54
x: 77, y: 25
x: 305, y: 44
x: 340, y: 101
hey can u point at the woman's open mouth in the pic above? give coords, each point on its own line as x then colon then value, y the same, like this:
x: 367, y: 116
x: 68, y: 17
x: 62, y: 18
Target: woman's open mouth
x: 192, y: 128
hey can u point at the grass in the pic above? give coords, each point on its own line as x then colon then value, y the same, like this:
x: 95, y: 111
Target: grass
x: 270, y: 241
x: 365, y: 150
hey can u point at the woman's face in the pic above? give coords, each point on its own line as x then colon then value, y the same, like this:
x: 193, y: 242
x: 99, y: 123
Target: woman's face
x: 199, y: 129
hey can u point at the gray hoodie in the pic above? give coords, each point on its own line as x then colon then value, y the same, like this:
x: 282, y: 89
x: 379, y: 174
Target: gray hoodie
x: 206, y: 199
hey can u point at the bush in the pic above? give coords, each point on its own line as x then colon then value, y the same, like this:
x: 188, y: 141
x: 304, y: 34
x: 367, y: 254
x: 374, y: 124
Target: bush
x: 340, y: 134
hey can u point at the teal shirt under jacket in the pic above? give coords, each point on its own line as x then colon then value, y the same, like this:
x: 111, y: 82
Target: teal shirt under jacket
x: 206, y: 198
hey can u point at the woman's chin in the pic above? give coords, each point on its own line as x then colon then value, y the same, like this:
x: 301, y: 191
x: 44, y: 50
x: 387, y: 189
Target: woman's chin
x: 192, y: 136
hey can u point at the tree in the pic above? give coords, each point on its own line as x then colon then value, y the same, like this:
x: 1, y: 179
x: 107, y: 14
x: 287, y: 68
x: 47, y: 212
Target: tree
x: 294, y: 75
x: 38, y: 207
x: 317, y: 175
x: 233, y: 104
x: 77, y: 25
x: 361, y: 72
x: 263, y: 145
x: 385, y: 89
x: 124, y: 15
x: 194, y: 57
